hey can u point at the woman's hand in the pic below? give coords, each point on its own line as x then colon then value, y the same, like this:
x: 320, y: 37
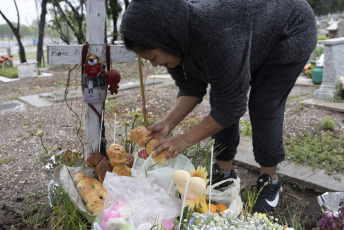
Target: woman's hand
x: 160, y: 129
x: 174, y: 146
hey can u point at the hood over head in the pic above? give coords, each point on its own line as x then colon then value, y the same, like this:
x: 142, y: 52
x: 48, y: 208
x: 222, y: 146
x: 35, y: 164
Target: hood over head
x: 162, y: 24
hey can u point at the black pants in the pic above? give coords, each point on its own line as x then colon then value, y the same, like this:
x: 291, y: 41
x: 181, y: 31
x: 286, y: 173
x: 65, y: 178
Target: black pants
x: 270, y: 87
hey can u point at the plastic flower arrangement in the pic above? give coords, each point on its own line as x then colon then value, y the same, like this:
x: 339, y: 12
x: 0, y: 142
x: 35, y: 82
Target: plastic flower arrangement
x: 6, y: 62
x: 308, y: 69
x: 227, y: 220
x: 331, y: 221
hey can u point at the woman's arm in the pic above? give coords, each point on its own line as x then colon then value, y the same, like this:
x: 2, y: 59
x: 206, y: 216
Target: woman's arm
x: 177, y: 144
x: 181, y: 108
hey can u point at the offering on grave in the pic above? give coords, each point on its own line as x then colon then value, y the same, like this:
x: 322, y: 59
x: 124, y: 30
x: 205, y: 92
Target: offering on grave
x: 91, y: 192
x: 140, y: 137
x: 196, y: 186
x: 113, y: 77
x: 118, y: 160
x: 100, y: 162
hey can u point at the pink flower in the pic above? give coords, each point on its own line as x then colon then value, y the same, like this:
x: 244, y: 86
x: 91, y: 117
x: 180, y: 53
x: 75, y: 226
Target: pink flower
x: 168, y: 224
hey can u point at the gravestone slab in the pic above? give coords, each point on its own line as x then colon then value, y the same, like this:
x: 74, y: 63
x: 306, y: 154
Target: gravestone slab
x: 27, y: 69
x: 333, y: 68
x: 59, y: 96
x: 36, y: 101
x: 313, y: 179
x: 6, y: 79
x: 130, y: 85
x: 339, y: 107
x: 50, y: 98
x: 12, y: 106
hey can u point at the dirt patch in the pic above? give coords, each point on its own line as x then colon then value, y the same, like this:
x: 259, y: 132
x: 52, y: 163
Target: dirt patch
x: 24, y: 182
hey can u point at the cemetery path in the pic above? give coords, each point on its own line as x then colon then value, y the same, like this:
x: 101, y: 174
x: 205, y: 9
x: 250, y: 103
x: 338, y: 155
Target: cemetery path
x: 23, y: 180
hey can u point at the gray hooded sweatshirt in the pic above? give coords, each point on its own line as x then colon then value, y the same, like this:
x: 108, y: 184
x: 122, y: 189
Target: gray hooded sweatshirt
x: 222, y: 42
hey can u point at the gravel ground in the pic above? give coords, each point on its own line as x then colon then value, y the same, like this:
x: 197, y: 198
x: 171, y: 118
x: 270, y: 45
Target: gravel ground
x: 23, y: 180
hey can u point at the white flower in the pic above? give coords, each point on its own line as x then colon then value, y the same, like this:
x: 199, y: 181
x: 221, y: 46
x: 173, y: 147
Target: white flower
x: 230, y: 221
x: 115, y: 223
x: 125, y: 212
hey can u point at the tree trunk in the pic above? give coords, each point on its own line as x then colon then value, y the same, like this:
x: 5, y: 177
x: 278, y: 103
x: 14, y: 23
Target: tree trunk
x: 15, y: 31
x: 126, y: 3
x: 115, y: 32
x: 22, y: 55
x: 40, y: 53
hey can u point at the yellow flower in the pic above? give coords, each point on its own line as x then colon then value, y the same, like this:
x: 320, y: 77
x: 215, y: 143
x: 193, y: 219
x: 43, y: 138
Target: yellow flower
x: 200, y: 202
x: 200, y: 172
x: 262, y: 215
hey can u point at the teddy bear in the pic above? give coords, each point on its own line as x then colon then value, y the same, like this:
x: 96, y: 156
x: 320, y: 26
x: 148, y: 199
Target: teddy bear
x: 93, y: 66
x: 118, y: 160
x: 140, y: 137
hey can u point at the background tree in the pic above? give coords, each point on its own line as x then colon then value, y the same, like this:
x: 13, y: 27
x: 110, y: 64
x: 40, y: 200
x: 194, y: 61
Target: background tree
x: 113, y: 9
x: 41, y: 28
x: 16, y: 33
x: 323, y: 7
x: 5, y: 31
x: 64, y: 11
x: 126, y: 3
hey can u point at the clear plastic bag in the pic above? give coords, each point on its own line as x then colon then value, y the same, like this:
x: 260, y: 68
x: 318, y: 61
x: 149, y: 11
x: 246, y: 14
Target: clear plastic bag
x: 229, y: 197
x: 150, y: 195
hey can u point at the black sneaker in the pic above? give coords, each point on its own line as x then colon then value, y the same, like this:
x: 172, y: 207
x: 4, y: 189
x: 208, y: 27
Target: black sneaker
x: 218, y: 175
x: 269, y: 196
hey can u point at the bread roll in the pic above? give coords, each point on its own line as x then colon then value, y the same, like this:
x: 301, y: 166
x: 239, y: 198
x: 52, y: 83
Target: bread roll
x: 91, y: 192
x: 100, y: 162
x: 140, y: 137
x: 118, y: 160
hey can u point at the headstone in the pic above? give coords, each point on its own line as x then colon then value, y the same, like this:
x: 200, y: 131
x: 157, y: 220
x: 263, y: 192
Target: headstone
x: 71, y: 54
x: 27, y: 69
x: 323, y: 24
x: 12, y: 106
x: 333, y: 68
x: 340, y: 29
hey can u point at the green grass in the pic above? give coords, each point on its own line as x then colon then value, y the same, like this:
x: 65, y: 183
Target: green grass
x: 324, y: 151
x: 328, y: 123
x: 10, y: 72
x: 62, y: 215
x: 6, y: 160
x: 322, y: 37
x: 29, y: 55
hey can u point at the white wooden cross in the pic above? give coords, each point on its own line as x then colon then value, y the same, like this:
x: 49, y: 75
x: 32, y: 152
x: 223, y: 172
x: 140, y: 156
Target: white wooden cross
x: 71, y: 54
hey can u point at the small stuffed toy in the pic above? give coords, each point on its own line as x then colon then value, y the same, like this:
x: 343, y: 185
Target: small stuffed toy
x: 93, y: 66
x: 113, y: 77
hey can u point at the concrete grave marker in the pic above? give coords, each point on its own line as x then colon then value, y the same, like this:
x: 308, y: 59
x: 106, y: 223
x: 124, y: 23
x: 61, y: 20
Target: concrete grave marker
x: 71, y: 54
x: 333, y: 68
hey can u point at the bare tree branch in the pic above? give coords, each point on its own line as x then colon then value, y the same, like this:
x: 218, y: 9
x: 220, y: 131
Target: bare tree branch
x: 18, y: 25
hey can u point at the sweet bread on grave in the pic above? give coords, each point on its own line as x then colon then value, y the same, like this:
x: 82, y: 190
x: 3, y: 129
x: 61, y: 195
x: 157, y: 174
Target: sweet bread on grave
x: 140, y: 137
x: 100, y: 162
x: 118, y: 160
x: 91, y: 192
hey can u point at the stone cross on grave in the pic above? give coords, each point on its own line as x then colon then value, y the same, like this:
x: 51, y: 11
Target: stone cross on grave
x: 72, y: 54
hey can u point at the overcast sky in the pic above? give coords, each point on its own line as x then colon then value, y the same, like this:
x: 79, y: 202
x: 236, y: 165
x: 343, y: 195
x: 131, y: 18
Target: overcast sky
x: 27, y: 11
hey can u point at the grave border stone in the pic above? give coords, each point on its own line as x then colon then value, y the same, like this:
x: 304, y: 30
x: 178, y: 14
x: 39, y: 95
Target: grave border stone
x: 333, y: 68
